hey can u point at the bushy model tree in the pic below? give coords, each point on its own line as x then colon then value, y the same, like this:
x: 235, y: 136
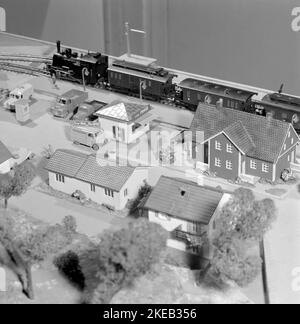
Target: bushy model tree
x: 240, y: 227
x: 121, y: 257
x: 16, y: 182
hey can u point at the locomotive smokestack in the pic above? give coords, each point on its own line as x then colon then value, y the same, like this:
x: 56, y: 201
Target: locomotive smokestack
x: 58, y: 46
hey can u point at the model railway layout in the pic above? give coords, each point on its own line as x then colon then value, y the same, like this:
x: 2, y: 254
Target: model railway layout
x: 146, y: 79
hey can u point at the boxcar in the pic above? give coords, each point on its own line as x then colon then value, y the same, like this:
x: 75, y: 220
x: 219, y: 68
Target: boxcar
x: 194, y: 91
x: 280, y: 106
x: 154, y: 83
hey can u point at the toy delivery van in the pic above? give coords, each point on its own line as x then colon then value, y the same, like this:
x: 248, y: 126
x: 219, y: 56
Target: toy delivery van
x: 88, y: 136
x: 23, y: 92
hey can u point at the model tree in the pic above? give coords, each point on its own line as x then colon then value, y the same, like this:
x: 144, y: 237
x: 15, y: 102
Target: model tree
x: 15, y: 259
x: 121, y: 257
x: 240, y: 227
x: 16, y: 182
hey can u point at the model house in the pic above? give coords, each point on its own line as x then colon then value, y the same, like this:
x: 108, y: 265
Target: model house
x: 234, y: 144
x: 187, y: 211
x: 5, y: 159
x: 125, y: 122
x: 113, y: 186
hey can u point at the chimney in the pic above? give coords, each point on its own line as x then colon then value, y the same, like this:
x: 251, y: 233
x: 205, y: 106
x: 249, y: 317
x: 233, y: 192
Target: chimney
x: 58, y: 46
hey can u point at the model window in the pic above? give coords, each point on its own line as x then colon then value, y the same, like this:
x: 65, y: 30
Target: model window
x: 120, y: 76
x: 228, y: 165
x: 217, y: 162
x: 289, y: 134
x: 60, y: 178
x: 149, y: 83
x: 292, y: 141
x: 265, y: 168
x: 284, y: 147
x: 289, y: 159
x: 93, y: 188
x: 125, y: 192
x: 284, y: 115
x: 253, y: 165
x: 218, y: 146
x: 229, y: 148
x: 109, y: 193
x: 188, y: 94
x: 199, y: 96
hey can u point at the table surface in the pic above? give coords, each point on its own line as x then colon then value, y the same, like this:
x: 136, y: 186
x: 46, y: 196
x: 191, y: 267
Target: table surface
x: 282, y: 243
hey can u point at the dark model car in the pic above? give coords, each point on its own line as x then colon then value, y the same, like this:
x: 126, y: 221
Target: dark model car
x: 87, y: 109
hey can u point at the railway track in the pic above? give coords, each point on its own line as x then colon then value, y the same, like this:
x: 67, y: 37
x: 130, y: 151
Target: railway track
x: 23, y: 69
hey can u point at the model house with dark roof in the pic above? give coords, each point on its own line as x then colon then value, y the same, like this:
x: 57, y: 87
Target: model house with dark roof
x: 125, y: 122
x: 5, y: 159
x: 234, y: 144
x: 114, y: 186
x: 187, y: 211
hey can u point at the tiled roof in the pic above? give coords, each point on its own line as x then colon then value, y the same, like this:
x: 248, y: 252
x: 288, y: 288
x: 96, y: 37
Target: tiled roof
x: 239, y: 135
x: 4, y: 153
x: 184, y: 200
x: 85, y: 167
x: 125, y: 112
x: 266, y: 134
x: 66, y: 162
x: 112, y: 177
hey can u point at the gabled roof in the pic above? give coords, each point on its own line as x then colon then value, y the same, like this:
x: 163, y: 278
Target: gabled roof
x: 184, y: 199
x: 85, y: 167
x: 262, y: 139
x: 123, y: 111
x: 112, y: 177
x: 5, y: 154
x: 239, y: 135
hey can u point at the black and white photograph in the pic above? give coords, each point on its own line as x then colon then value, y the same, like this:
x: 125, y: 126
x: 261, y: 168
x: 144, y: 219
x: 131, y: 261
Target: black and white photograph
x: 149, y: 155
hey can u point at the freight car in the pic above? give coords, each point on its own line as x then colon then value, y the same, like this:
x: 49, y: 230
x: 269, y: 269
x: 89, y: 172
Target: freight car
x: 192, y: 91
x: 141, y: 79
x: 72, y: 66
x: 280, y: 106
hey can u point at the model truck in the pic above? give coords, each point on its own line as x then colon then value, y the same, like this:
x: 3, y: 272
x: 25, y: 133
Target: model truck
x: 67, y: 104
x: 88, y: 136
x: 87, y: 109
x: 23, y: 92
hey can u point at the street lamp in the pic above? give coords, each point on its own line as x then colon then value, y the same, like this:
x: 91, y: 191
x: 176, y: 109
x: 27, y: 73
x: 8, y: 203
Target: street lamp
x: 85, y: 72
x: 143, y: 86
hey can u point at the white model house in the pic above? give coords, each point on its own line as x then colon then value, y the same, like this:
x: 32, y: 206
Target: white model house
x: 5, y: 159
x: 187, y: 211
x: 113, y: 186
x: 125, y: 122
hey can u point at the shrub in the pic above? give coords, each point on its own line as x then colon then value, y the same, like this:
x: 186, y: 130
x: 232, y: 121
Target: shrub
x: 69, y: 265
x: 45, y: 242
x: 121, y: 257
x: 70, y: 224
